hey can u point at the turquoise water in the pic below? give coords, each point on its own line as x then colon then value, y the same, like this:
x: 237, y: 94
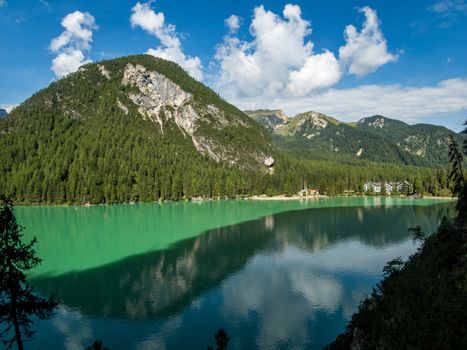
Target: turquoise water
x: 274, y: 274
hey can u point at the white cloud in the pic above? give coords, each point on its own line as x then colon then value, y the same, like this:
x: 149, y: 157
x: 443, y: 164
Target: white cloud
x: 68, y: 62
x: 449, y: 6
x: 410, y: 104
x: 284, y: 297
x: 8, y: 106
x: 73, y: 43
x: 233, y: 23
x: 278, y: 61
x: 74, y: 327
x: 46, y: 5
x: 170, y: 49
x: 319, y: 71
x: 278, y: 68
x: 281, y: 63
x: 365, y: 51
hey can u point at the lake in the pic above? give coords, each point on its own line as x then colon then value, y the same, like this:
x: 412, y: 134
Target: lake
x: 273, y: 274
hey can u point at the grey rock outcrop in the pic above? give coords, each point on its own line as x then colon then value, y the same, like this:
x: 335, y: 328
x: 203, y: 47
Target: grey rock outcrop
x: 269, y: 161
x: 159, y: 99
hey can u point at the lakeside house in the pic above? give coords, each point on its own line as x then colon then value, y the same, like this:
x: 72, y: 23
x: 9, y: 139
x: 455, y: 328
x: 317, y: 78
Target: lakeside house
x: 308, y: 192
x: 389, y: 187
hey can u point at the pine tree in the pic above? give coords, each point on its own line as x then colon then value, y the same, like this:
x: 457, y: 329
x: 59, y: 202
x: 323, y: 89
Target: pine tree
x: 461, y: 185
x: 18, y: 302
x: 457, y: 173
x: 222, y: 339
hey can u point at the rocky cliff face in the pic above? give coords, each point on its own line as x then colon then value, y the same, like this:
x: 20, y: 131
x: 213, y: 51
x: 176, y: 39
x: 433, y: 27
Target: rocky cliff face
x: 159, y: 100
x: 157, y: 93
x: 303, y: 124
x: 270, y: 119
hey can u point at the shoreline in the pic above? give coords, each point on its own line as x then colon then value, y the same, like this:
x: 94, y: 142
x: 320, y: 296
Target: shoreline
x: 297, y: 197
x: 440, y: 197
x: 262, y: 197
x: 282, y: 197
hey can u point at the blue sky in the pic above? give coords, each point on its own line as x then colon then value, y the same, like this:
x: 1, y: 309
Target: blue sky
x: 410, y: 62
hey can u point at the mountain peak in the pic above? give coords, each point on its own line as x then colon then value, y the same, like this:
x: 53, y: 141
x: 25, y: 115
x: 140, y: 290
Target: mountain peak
x: 375, y: 138
x: 161, y: 92
x: 318, y: 118
x: 269, y: 118
x: 138, y: 110
x: 380, y: 122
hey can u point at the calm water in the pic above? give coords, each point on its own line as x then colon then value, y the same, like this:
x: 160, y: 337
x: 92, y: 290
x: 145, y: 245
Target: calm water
x: 275, y: 275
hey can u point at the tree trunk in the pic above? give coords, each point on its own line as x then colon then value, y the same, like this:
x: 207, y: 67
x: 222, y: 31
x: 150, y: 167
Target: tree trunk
x: 19, y: 341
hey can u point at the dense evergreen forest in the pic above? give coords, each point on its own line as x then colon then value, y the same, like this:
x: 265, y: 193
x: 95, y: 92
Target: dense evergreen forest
x: 73, y: 142
x: 421, y: 303
x: 122, y: 173
x: 316, y: 136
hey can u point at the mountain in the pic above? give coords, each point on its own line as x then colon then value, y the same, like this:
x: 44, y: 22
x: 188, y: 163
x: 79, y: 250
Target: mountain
x: 314, y: 135
x: 132, y: 128
x: 139, y: 128
x: 269, y: 119
x: 429, y: 142
x: 3, y: 113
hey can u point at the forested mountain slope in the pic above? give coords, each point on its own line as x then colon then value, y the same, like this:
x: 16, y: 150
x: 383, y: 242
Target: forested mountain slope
x: 139, y: 128
x: 133, y: 128
x: 430, y: 142
x: 314, y: 135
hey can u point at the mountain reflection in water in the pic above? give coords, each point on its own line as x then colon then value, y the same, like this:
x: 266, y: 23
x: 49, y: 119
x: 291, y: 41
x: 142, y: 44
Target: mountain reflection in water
x: 289, y: 280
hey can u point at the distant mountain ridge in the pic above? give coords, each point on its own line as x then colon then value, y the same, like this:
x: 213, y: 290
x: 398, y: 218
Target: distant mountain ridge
x: 3, y: 112
x: 313, y: 135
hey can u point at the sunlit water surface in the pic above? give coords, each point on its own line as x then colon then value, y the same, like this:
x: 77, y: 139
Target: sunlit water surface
x: 274, y: 274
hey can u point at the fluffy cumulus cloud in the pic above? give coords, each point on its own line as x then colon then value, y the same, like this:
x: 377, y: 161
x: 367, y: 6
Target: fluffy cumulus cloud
x: 281, y: 62
x: 73, y: 44
x: 170, y: 47
x: 233, y: 22
x: 280, y: 68
x: 278, y: 61
x: 365, y: 51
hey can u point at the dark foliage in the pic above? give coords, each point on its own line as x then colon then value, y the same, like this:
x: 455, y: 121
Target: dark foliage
x: 222, y: 339
x: 420, y: 304
x: 18, y: 302
x: 456, y: 174
x: 97, y: 345
x: 462, y: 202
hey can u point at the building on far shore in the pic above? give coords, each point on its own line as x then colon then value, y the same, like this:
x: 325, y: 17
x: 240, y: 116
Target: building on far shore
x: 308, y: 192
x: 388, y: 187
